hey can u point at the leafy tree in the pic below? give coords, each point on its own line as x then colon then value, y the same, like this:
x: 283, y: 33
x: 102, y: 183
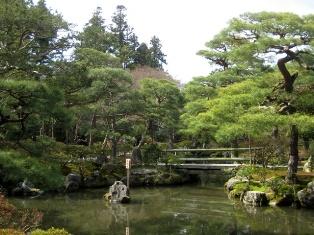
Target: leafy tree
x: 244, y: 55
x: 28, y: 53
x: 125, y: 41
x: 143, y: 55
x: 157, y: 56
x: 95, y: 34
x: 163, y: 103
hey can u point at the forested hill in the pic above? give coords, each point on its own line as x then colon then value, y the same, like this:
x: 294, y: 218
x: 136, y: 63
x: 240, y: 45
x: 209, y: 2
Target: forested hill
x: 112, y: 97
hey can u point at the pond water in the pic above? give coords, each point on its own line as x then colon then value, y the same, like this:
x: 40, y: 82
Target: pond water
x: 192, y: 209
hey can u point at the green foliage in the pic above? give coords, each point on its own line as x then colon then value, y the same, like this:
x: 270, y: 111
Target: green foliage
x: 280, y: 187
x: 239, y: 189
x: 50, y: 231
x: 162, y: 105
x: 151, y: 153
x: 95, y: 35
x: 16, y: 167
x: 172, y: 159
x: 241, y: 99
x: 246, y: 171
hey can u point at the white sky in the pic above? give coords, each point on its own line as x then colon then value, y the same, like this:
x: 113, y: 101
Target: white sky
x: 183, y: 26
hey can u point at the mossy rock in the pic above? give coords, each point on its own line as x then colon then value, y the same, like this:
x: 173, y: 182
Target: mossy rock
x: 238, y: 190
x: 255, y: 198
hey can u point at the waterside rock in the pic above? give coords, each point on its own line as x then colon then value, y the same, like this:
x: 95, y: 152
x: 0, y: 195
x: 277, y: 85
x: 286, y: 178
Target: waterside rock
x: 283, y: 201
x: 229, y: 185
x: 255, y: 198
x: 118, y: 193
x: 26, y: 189
x: 306, y: 196
x: 72, y: 183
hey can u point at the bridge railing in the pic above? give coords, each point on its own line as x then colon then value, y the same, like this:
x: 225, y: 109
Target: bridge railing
x: 197, y: 159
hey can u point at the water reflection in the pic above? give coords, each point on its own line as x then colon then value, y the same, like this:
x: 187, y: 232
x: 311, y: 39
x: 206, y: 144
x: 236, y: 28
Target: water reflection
x: 181, y: 210
x: 120, y: 215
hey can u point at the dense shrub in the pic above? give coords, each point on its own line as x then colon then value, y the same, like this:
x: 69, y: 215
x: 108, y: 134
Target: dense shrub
x: 151, y: 153
x: 15, y: 167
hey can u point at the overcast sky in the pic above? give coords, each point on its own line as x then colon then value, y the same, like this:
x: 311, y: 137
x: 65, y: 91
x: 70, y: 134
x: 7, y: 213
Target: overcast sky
x: 183, y: 26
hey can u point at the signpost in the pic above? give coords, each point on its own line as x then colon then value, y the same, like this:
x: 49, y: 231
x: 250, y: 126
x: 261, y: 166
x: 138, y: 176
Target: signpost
x: 128, y: 167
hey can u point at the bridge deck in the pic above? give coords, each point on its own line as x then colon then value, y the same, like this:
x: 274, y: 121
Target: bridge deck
x: 215, y: 166
x: 194, y: 166
x: 215, y: 159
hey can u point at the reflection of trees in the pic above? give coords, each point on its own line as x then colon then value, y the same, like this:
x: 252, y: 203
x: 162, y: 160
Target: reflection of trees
x: 182, y: 210
x: 118, y: 212
x: 119, y: 217
x: 272, y: 220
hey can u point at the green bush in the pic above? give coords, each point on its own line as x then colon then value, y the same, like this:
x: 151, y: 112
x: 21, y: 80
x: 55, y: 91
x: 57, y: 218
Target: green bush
x: 238, y: 189
x: 51, y: 231
x: 251, y: 172
x: 246, y: 171
x: 280, y: 187
x: 151, y: 153
x: 15, y: 167
x: 43, y: 146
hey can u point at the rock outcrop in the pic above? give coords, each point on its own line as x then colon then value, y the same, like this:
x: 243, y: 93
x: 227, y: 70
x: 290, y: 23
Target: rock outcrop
x: 255, y: 198
x: 306, y: 196
x: 118, y: 193
x: 72, y: 183
x: 229, y: 185
x: 26, y: 189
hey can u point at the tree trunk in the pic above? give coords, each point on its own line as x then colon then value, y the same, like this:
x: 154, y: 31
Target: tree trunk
x: 104, y: 143
x: 276, y: 140
x: 42, y: 129
x: 136, y: 151
x: 294, y: 155
x: 93, y: 126
x: 114, y: 148
x: 52, y: 128
x: 171, y: 139
x: 235, y: 145
x: 67, y: 136
x: 76, y: 129
x: 288, y: 78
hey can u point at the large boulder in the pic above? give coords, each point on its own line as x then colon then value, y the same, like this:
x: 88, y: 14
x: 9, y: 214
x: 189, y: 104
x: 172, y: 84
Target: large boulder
x: 255, y: 198
x: 72, y: 183
x: 118, y: 193
x: 306, y: 196
x: 282, y: 201
x: 229, y: 185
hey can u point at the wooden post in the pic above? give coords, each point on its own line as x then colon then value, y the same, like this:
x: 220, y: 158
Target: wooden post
x: 250, y: 152
x: 128, y: 167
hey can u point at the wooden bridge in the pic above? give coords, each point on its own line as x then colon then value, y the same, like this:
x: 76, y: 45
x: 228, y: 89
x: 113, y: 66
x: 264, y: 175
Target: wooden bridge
x: 209, y: 163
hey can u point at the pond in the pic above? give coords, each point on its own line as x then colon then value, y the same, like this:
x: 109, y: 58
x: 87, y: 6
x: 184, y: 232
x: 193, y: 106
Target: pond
x: 192, y: 209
